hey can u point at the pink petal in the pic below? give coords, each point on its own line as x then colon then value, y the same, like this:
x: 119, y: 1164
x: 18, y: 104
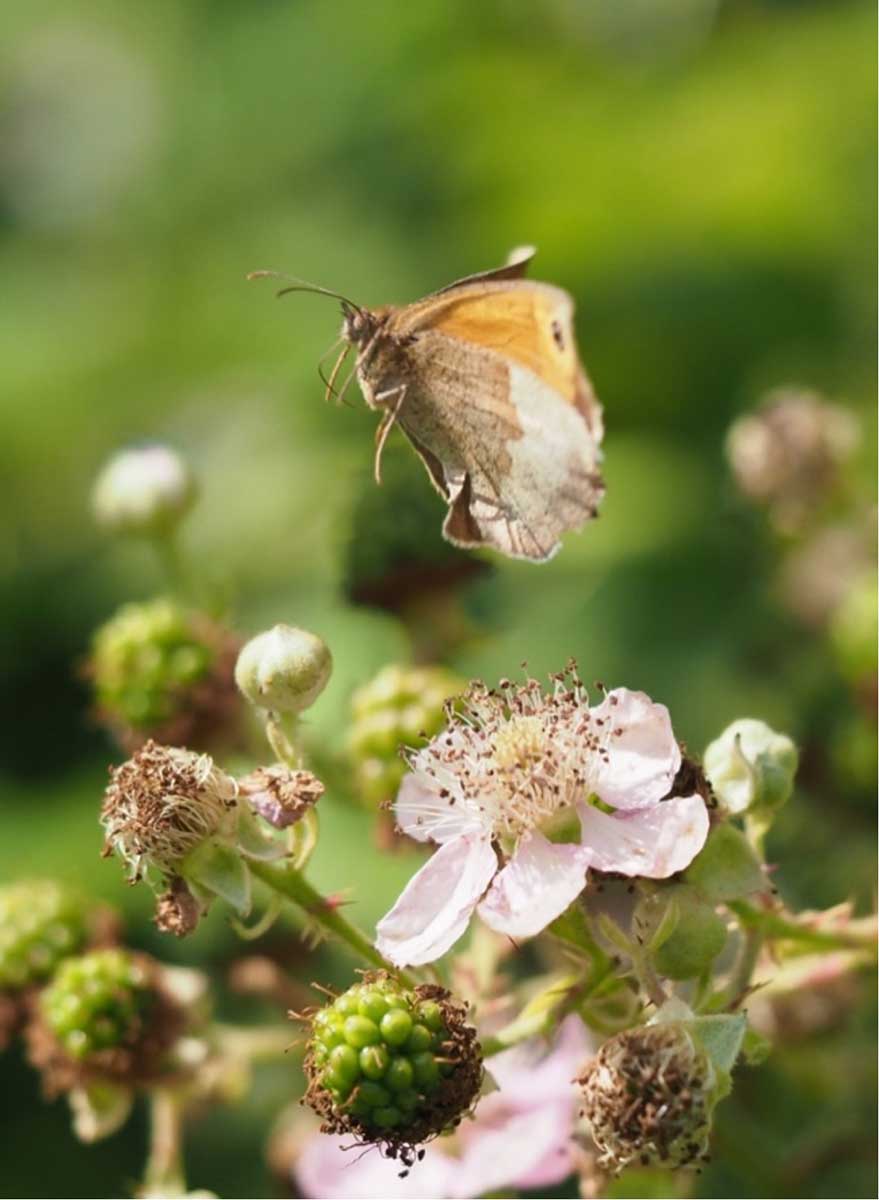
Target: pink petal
x: 436, y: 904
x: 425, y: 814
x: 643, y: 757
x: 653, y: 842
x: 338, y: 1168
x: 527, y: 1149
x: 536, y: 1072
x: 536, y: 885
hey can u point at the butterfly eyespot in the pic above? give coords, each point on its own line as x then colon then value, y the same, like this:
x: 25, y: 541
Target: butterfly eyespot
x: 557, y: 336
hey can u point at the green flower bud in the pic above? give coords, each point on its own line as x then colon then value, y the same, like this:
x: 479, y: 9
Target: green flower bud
x: 648, y: 1096
x: 726, y: 868
x: 145, y: 490
x: 368, y: 1076
x: 688, y: 932
x: 41, y: 923
x: 161, y: 670
x: 163, y: 804
x: 97, y: 1001
x: 284, y: 669
x: 751, y: 767
x: 394, y: 709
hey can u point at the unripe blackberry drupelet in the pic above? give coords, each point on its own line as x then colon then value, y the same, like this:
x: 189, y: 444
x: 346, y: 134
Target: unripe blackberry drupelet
x: 161, y: 670
x: 41, y: 922
x: 400, y: 706
x: 391, y: 1065
x: 104, y: 1015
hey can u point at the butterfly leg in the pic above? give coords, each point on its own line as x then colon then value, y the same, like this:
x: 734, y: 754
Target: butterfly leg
x: 396, y: 396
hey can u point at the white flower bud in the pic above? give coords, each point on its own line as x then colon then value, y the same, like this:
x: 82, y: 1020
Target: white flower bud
x: 751, y: 767
x: 145, y: 490
x: 284, y: 669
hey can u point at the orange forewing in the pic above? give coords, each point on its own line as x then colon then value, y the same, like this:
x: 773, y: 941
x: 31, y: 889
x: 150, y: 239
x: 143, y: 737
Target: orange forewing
x: 527, y: 322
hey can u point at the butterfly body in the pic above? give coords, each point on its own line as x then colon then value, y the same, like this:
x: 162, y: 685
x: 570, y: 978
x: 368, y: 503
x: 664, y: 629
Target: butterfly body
x: 484, y: 379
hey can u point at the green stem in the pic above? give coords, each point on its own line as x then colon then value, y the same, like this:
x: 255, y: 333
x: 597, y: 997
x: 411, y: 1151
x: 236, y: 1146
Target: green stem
x: 293, y: 886
x: 737, y: 988
x: 173, y: 563
x: 281, y: 744
x: 164, y: 1173
x: 773, y: 925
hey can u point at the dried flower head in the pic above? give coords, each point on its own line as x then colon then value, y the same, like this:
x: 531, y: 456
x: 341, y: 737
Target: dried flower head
x: 553, y: 785
x: 392, y: 1066
x: 787, y: 455
x: 163, y: 803
x: 280, y: 795
x: 648, y: 1097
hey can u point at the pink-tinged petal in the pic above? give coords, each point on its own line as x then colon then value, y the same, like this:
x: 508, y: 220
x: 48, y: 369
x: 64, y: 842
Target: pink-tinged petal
x: 642, y: 754
x: 436, y: 904
x: 424, y: 813
x: 536, y: 886
x: 653, y: 842
x: 536, y: 1072
x: 516, y: 1149
x: 338, y: 1168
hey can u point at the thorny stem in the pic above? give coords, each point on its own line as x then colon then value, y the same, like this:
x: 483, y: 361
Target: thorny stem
x: 293, y: 886
x: 774, y: 925
x: 164, y: 1173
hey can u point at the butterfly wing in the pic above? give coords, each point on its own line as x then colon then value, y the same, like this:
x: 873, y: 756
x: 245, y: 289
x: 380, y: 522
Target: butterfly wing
x: 502, y: 413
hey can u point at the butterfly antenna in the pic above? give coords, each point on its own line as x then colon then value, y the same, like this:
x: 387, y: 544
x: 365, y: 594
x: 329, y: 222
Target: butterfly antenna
x: 301, y: 285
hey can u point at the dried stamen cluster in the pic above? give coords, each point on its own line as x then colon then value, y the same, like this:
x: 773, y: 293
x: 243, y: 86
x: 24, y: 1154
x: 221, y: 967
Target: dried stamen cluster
x: 648, y: 1098
x: 162, y: 803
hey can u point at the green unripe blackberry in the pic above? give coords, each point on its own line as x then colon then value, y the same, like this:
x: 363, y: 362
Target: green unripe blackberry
x: 41, y: 922
x: 392, y: 1065
x: 98, y: 1001
x: 159, y: 669
x: 395, y: 709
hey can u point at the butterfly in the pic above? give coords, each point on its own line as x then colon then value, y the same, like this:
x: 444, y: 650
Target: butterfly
x: 484, y: 379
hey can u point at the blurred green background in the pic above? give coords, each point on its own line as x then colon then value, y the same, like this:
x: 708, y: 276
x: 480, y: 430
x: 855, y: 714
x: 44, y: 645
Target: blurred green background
x: 698, y: 173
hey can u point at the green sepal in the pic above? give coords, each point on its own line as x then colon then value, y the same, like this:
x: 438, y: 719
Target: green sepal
x: 99, y: 1109
x: 219, y: 869
x: 254, y: 840
x: 721, y: 1038
x: 755, y: 1048
x: 727, y: 867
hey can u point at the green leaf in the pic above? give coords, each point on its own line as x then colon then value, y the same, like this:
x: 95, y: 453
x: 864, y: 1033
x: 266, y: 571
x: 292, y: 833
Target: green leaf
x: 755, y: 1048
x: 721, y: 1037
x: 221, y: 870
x: 727, y: 867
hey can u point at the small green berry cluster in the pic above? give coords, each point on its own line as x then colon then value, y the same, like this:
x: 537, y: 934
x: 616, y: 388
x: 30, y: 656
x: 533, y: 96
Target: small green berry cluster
x: 145, y: 658
x: 97, y: 1001
x: 391, y: 1064
x: 396, y: 708
x: 41, y: 922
